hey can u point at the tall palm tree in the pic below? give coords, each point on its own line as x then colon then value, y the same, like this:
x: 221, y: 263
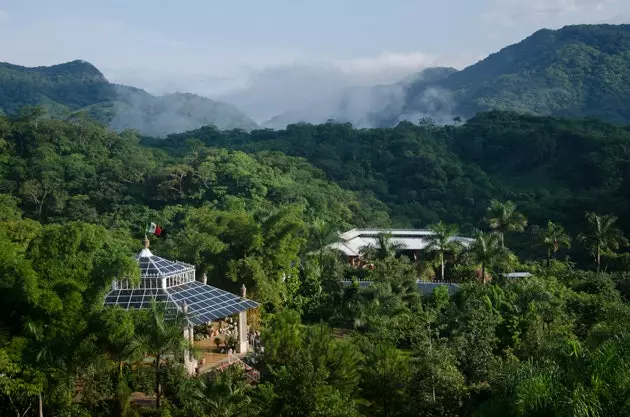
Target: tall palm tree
x: 161, y: 336
x: 502, y: 217
x: 442, y: 240
x: 554, y: 237
x: 486, y: 250
x: 603, y: 237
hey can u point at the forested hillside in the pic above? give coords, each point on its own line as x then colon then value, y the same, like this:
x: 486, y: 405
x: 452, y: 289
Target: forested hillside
x: 78, y: 86
x: 551, y: 167
x: 575, y: 71
x: 75, y: 198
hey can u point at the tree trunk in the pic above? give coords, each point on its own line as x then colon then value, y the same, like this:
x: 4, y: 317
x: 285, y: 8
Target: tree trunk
x: 41, y: 405
x: 442, y: 262
x: 502, y: 240
x: 157, y: 381
x: 548, y: 258
x: 598, y: 260
x: 483, y: 273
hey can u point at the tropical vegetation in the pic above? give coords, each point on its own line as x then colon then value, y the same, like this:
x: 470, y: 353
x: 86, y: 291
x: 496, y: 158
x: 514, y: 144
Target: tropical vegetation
x: 75, y: 198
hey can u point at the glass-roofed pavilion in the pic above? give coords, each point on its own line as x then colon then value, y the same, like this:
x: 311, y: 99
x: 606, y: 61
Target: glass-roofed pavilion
x: 174, y: 283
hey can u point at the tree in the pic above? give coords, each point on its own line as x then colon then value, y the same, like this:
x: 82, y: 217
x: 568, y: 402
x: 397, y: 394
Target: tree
x: 311, y: 372
x: 437, y: 387
x: 503, y: 218
x: 21, y: 385
x: 603, y: 237
x: 486, y: 250
x: 442, y: 240
x: 161, y: 336
x: 554, y: 237
x: 385, y: 378
x: 224, y: 393
x: 385, y: 248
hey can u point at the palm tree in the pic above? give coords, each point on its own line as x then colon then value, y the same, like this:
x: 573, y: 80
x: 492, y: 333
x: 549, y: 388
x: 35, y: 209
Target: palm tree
x: 64, y: 362
x: 486, y: 250
x: 322, y: 234
x: 224, y: 394
x: 503, y: 218
x: 161, y: 336
x: 384, y: 249
x: 442, y: 240
x: 554, y: 237
x: 603, y: 238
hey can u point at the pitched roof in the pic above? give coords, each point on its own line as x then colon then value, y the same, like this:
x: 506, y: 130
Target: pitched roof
x: 353, y: 241
x: 205, y: 302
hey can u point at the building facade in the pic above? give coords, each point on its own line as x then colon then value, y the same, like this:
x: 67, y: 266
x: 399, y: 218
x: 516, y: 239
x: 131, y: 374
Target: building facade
x: 411, y: 242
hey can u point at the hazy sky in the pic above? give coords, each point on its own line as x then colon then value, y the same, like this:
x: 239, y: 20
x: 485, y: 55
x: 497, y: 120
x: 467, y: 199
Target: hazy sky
x: 222, y: 43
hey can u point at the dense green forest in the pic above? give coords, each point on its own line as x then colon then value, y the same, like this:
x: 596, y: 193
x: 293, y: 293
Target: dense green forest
x: 576, y: 71
x: 79, y: 87
x: 553, y: 168
x: 75, y: 198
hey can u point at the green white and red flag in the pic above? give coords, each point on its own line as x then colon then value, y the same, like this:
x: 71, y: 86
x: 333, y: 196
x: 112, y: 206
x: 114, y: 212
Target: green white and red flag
x: 154, y: 229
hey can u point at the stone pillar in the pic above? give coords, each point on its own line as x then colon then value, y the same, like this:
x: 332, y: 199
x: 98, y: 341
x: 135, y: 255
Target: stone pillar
x: 243, y: 340
x: 189, y: 360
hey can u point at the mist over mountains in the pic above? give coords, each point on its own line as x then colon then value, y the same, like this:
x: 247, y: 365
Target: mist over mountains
x: 76, y: 87
x: 279, y: 96
x: 575, y: 71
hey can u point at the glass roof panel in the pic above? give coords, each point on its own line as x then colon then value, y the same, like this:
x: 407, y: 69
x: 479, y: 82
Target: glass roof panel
x: 205, y: 303
x: 154, y: 265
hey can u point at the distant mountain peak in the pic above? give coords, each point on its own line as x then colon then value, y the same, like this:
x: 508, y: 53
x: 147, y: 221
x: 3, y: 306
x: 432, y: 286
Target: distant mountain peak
x: 79, y: 86
x: 77, y: 67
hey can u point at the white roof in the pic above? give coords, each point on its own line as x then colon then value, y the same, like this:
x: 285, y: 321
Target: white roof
x: 352, y: 242
x: 351, y: 234
x: 517, y: 275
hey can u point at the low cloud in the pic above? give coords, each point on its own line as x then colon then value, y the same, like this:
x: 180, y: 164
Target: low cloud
x: 387, y: 64
x: 435, y: 103
x: 346, y: 90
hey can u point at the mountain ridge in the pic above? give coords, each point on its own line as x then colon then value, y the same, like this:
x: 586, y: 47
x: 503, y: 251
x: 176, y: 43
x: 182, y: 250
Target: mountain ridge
x: 79, y: 86
x: 576, y: 71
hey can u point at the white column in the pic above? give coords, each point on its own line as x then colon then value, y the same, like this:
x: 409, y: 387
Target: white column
x: 189, y: 360
x: 243, y: 340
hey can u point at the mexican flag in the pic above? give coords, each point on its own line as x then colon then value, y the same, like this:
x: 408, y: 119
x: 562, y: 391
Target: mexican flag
x: 154, y: 229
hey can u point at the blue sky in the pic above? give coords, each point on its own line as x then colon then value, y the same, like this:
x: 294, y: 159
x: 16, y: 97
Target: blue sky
x: 226, y: 42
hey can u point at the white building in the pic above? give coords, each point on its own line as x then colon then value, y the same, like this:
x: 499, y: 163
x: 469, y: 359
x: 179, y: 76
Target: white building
x: 408, y: 242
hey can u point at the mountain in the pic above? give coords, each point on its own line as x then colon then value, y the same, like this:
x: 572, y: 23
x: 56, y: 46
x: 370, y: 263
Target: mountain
x: 78, y: 86
x: 360, y: 105
x: 575, y: 71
